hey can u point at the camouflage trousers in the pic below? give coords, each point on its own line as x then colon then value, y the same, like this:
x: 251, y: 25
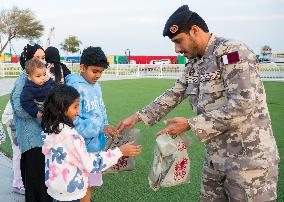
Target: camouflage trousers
x: 239, y: 185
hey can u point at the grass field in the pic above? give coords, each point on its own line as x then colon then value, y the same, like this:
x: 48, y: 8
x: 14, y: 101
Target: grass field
x: 122, y: 98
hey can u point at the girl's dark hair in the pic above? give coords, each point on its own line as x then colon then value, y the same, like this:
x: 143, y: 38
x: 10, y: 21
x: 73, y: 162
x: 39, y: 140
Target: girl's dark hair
x: 56, y: 104
x: 94, y: 56
x: 52, y: 56
x: 28, y: 53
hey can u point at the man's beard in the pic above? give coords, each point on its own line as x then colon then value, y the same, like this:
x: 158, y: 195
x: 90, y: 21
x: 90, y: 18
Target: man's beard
x: 193, y: 50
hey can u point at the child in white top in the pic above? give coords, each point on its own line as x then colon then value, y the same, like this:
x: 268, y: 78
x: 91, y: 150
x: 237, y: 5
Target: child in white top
x: 67, y: 162
x: 7, y: 119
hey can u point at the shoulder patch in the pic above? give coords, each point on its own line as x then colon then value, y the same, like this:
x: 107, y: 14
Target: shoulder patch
x: 231, y: 58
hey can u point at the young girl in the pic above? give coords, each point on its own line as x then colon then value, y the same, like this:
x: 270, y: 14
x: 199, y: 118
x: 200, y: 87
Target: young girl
x: 67, y: 162
x: 7, y: 119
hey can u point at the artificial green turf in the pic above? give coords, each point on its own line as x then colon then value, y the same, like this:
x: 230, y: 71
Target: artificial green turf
x: 122, y: 98
x: 6, y: 145
x: 125, y: 97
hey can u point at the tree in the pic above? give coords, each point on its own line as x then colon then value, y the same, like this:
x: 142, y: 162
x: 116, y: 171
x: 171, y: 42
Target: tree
x: 19, y: 23
x: 71, y: 44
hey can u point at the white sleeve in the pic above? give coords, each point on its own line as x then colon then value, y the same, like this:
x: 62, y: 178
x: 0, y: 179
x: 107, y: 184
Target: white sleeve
x: 94, y: 162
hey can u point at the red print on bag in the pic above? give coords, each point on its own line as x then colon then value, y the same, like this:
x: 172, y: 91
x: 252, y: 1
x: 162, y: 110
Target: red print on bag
x: 122, y: 163
x: 181, y: 146
x: 180, y: 169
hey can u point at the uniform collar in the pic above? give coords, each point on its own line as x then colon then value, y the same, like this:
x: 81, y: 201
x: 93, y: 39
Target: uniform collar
x: 210, y: 46
x: 208, y: 50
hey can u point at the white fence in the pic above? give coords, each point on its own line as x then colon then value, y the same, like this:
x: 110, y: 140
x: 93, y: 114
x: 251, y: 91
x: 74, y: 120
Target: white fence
x: 147, y: 70
x: 158, y: 71
x: 141, y: 70
x: 267, y: 72
x: 9, y: 69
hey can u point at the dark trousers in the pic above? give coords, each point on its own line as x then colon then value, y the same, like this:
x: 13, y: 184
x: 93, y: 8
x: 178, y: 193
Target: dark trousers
x: 32, y: 170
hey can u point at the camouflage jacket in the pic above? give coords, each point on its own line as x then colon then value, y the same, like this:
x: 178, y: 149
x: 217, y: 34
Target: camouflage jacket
x: 225, y: 90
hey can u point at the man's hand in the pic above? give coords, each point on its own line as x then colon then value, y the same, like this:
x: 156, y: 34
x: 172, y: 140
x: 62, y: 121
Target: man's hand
x: 110, y: 131
x: 127, y: 123
x: 178, y: 126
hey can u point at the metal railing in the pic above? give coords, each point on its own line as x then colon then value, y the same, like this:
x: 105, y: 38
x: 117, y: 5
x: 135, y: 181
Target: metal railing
x: 147, y: 70
x: 141, y: 70
x: 274, y: 73
x: 10, y: 69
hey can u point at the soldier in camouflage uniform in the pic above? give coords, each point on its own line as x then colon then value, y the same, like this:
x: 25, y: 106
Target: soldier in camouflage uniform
x: 224, y: 88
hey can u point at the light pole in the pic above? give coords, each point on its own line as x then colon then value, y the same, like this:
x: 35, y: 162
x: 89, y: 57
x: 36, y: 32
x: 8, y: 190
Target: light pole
x: 127, y: 51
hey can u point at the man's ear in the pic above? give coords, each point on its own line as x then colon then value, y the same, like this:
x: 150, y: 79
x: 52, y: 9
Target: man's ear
x: 82, y: 68
x: 194, y: 30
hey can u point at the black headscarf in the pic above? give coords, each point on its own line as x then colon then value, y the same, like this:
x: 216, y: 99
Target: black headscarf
x: 52, y: 56
x: 28, y: 53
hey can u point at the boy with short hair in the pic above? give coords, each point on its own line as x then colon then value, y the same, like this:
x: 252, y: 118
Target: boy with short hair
x: 92, y: 121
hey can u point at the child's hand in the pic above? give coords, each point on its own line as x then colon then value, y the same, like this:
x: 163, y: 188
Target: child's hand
x: 109, y: 130
x: 39, y: 114
x: 129, y: 149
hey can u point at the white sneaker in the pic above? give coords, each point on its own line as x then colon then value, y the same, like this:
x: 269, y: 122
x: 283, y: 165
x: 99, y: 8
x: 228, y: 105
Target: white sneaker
x: 19, y: 190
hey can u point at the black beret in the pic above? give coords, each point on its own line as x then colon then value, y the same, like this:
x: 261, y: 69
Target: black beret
x: 177, y: 22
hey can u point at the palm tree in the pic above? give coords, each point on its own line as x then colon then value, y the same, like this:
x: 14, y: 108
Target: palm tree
x: 71, y: 44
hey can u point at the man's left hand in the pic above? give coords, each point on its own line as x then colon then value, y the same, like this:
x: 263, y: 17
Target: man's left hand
x: 178, y: 126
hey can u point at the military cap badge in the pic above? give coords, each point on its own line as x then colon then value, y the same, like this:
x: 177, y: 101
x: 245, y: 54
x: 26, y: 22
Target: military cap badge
x: 173, y: 29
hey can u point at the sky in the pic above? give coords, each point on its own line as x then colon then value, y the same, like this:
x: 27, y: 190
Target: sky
x: 137, y: 25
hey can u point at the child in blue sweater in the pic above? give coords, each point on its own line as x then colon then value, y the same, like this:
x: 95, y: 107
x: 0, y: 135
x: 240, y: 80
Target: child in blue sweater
x: 36, y: 88
x: 92, y: 121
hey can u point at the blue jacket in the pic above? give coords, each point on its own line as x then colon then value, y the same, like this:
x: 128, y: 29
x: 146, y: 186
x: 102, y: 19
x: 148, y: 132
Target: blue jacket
x: 31, y: 92
x: 92, y: 118
x: 28, y: 130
